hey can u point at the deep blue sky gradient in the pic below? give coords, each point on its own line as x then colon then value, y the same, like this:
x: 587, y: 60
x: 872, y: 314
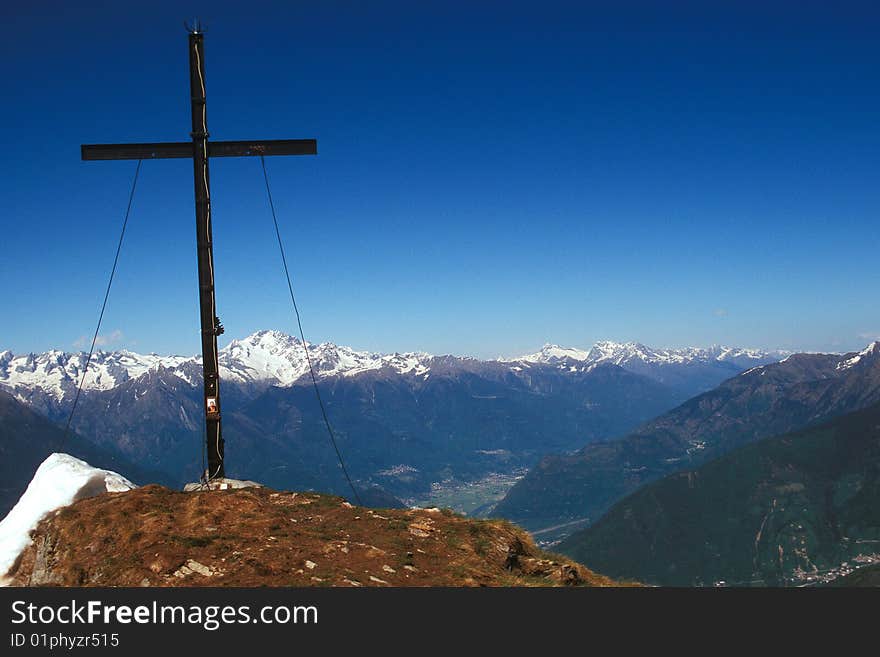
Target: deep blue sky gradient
x: 492, y: 176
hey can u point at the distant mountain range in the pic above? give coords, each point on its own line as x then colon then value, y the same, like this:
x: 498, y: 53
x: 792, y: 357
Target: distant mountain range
x: 800, y: 508
x: 801, y: 390
x: 404, y: 421
x: 266, y: 358
x: 272, y: 358
x: 688, y: 371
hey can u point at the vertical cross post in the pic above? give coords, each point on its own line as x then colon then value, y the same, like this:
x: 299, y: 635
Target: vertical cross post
x: 210, y: 323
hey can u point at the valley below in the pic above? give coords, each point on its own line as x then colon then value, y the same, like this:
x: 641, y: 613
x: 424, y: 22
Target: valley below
x: 473, y: 498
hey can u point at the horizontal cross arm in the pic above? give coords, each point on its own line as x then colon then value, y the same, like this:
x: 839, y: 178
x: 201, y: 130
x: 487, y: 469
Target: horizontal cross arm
x: 262, y: 147
x: 166, y: 150
x: 137, y: 151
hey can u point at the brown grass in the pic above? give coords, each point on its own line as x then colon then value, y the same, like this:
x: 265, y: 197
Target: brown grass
x: 259, y: 537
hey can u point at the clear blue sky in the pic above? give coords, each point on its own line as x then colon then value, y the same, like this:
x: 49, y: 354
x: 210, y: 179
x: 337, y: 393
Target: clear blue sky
x: 491, y: 176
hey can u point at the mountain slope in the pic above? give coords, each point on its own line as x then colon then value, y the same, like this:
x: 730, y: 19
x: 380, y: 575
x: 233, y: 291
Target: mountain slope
x: 258, y: 537
x: 405, y: 433
x: 803, y: 389
x: 399, y: 431
x: 784, y: 510
x: 27, y: 438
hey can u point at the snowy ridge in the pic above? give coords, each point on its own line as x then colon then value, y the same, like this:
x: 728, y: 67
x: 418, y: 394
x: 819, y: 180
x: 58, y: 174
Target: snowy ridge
x: 266, y: 357
x: 58, y: 373
x: 872, y: 350
x: 627, y: 353
x: 279, y: 358
x: 551, y: 353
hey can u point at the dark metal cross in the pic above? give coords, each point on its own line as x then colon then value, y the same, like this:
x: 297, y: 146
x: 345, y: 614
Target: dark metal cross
x: 200, y: 150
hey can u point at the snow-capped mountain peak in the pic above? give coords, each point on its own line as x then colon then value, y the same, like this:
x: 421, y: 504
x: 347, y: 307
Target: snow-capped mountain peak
x: 869, y: 352
x: 551, y: 353
x: 280, y: 359
x: 265, y: 355
x: 617, y: 353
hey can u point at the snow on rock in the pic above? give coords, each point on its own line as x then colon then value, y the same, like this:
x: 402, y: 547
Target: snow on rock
x: 60, y: 480
x: 872, y: 349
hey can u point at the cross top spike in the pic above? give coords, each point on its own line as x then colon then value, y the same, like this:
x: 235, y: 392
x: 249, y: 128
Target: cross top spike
x: 195, y: 27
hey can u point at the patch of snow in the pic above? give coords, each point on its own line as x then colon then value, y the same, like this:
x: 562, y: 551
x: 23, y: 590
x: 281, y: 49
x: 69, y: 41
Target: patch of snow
x: 59, y: 481
x: 871, y: 350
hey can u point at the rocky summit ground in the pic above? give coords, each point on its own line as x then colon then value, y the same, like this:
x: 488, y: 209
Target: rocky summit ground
x: 153, y: 536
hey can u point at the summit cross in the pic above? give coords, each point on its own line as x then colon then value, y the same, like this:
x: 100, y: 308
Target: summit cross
x: 201, y: 150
